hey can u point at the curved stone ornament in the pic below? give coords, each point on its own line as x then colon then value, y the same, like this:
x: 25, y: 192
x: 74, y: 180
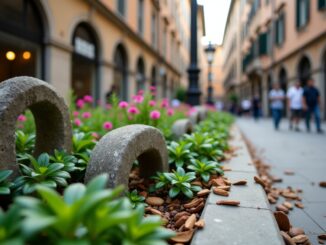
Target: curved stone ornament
x: 181, y: 127
x: 53, y: 127
x: 202, y: 111
x: 116, y: 152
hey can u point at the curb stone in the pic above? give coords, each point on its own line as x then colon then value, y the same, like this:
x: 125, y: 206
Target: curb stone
x: 252, y: 222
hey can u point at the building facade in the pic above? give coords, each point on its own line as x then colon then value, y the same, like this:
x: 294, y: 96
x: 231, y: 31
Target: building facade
x: 97, y: 46
x: 216, y: 75
x: 281, y: 41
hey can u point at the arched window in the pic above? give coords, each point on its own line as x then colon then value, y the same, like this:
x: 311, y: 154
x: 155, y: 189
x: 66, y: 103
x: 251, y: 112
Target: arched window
x: 140, y: 76
x: 21, y: 39
x: 85, y: 61
x: 304, y: 70
x: 121, y: 72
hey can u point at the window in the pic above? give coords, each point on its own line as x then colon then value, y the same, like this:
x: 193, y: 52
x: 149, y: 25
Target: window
x: 141, y: 16
x: 321, y: 4
x: 263, y: 39
x: 121, y: 7
x: 280, y: 29
x: 153, y: 29
x: 303, y: 9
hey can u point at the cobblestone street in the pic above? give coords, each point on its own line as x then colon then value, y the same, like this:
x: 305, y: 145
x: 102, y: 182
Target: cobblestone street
x: 302, y: 153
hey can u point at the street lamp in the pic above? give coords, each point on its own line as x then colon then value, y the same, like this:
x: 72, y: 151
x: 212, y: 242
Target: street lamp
x: 193, y: 93
x: 210, y: 50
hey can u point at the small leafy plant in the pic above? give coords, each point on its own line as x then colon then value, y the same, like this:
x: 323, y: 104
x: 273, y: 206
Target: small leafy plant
x: 5, y: 185
x: 179, y: 153
x: 205, y: 168
x: 25, y: 142
x: 135, y: 199
x: 180, y: 182
x: 87, y: 215
x: 41, y: 171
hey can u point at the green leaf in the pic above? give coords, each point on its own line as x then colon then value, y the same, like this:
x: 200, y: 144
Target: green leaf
x: 74, y: 193
x: 188, y: 193
x: 4, y: 190
x: 4, y: 174
x: 174, y: 191
x: 96, y: 184
x: 43, y: 159
x: 52, y: 198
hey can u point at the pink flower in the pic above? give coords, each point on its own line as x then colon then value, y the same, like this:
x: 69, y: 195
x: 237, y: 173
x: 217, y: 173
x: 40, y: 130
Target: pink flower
x: 95, y: 135
x: 152, y: 103
x: 77, y: 122
x: 22, y: 118
x: 133, y: 110
x: 108, y: 106
x: 80, y: 103
x: 86, y: 114
x: 123, y: 104
x: 170, y: 112
x: 155, y: 115
x: 152, y: 88
x: 165, y: 103
x: 138, y: 99
x: 75, y: 113
x: 88, y: 99
x: 107, y: 125
x: 140, y: 92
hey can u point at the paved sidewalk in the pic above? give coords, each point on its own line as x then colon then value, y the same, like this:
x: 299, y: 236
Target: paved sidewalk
x: 305, y: 154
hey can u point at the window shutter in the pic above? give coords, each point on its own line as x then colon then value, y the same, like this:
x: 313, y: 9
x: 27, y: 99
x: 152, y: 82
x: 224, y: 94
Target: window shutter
x: 321, y: 4
x: 298, y: 13
x: 263, y: 43
x: 283, y: 27
x: 308, y: 10
x: 276, y: 31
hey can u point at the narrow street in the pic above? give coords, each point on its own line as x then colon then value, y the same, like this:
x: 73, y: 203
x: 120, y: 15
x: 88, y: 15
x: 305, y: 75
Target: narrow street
x: 303, y: 153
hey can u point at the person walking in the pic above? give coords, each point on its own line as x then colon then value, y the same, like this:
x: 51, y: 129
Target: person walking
x: 311, y: 104
x: 276, y: 97
x: 256, y: 111
x: 294, y: 96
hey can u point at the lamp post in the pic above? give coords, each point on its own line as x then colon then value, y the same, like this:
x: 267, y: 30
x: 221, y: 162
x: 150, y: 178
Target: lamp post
x: 193, y: 93
x: 210, y: 50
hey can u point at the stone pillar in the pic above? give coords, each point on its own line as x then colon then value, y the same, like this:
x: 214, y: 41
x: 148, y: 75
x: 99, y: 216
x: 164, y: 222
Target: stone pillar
x: 265, y: 92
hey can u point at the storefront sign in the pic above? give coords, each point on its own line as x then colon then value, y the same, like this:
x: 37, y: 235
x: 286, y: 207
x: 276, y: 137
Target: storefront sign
x: 84, y: 48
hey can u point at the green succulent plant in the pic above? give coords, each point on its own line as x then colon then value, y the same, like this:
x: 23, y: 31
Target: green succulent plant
x: 5, y: 184
x: 41, y: 171
x: 179, y: 153
x: 135, y: 199
x: 69, y: 161
x: 88, y: 215
x: 180, y: 182
x: 25, y: 143
x: 161, y: 180
x: 204, y: 168
x: 10, y: 222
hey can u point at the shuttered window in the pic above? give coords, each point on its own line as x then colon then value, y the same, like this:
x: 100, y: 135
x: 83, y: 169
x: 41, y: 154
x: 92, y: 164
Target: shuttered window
x: 302, y: 13
x: 280, y: 29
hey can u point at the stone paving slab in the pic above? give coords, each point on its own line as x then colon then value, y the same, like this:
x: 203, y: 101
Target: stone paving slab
x: 302, y: 152
x: 237, y: 226
x: 250, y: 195
x: 246, y: 224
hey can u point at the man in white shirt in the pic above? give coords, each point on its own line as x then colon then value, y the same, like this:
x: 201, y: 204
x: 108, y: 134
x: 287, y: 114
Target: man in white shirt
x: 276, y: 97
x: 294, y: 96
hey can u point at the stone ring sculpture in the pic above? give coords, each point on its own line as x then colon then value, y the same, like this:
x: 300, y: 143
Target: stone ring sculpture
x: 53, y: 127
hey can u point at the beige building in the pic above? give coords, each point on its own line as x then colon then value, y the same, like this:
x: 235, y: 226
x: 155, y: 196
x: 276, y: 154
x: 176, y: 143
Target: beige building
x: 281, y: 41
x: 217, y: 75
x: 97, y: 46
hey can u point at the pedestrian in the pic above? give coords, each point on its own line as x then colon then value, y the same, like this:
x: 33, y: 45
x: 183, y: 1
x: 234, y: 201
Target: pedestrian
x: 256, y: 110
x: 245, y: 107
x: 294, y: 97
x: 276, y: 97
x: 311, y: 104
